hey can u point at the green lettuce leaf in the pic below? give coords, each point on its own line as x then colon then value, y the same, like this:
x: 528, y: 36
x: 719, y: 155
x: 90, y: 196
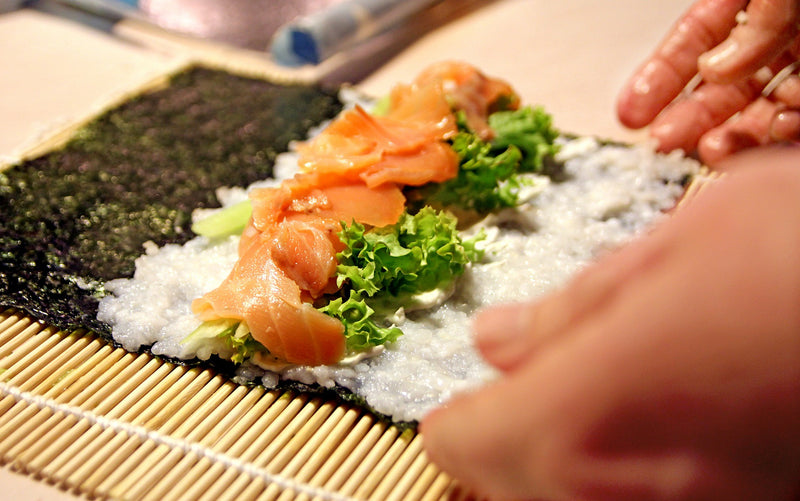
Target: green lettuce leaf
x: 228, y: 338
x: 486, y: 180
x: 531, y: 130
x: 419, y: 253
x: 492, y: 174
x: 361, y: 329
x: 383, y: 269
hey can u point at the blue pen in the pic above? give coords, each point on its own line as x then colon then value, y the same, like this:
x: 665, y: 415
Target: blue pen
x: 314, y: 38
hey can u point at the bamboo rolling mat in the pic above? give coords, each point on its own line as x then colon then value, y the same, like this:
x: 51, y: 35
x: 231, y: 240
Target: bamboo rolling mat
x: 107, y: 424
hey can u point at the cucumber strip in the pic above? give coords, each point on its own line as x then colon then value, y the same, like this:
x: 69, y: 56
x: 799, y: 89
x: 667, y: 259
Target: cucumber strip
x: 228, y: 221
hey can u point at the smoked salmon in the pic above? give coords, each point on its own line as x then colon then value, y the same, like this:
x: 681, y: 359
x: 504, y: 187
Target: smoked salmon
x: 472, y: 92
x: 360, y: 146
x: 353, y: 171
x: 262, y: 295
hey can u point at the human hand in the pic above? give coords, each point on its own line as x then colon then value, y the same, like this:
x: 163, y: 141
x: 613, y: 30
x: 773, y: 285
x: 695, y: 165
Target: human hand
x: 736, y: 63
x: 668, y: 370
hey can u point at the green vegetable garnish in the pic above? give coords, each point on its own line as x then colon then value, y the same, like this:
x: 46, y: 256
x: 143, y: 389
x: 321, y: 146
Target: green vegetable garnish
x: 360, y: 328
x: 383, y: 269
x: 382, y: 105
x: 486, y: 180
x: 419, y: 253
x: 530, y: 130
x: 489, y: 175
x: 228, y: 221
x: 226, y: 337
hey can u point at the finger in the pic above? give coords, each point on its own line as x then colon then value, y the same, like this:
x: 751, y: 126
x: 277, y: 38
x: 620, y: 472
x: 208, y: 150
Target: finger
x: 788, y: 91
x: 686, y: 120
x: 749, y: 129
x: 662, y: 77
x: 510, y: 440
x: 509, y: 335
x: 785, y: 127
x: 681, y: 126
x: 770, y: 28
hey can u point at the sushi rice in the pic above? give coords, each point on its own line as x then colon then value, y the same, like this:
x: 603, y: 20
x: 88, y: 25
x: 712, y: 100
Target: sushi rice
x: 611, y: 194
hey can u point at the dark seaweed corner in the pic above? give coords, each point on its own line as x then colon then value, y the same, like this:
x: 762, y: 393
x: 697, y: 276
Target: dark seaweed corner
x: 77, y: 217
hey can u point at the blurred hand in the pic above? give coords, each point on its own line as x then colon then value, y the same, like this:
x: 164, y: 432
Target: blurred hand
x: 669, y: 370
x: 736, y: 62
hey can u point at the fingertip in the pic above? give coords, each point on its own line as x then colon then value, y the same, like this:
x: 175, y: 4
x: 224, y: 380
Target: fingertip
x: 497, y: 324
x: 427, y: 428
x: 432, y: 429
x: 785, y: 127
x: 628, y: 112
x: 501, y: 334
x: 718, y: 144
x: 670, y: 135
x: 640, y: 101
x: 712, y: 148
x: 721, y: 64
x: 483, y: 321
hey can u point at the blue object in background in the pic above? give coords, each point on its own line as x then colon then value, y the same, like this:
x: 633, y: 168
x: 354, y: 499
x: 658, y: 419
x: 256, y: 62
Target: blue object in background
x: 314, y: 38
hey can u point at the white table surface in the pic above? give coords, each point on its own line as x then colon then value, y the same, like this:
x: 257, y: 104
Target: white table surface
x: 571, y: 56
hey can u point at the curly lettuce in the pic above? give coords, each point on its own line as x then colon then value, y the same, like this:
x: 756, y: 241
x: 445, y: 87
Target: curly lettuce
x: 492, y: 174
x: 530, y: 129
x: 383, y: 269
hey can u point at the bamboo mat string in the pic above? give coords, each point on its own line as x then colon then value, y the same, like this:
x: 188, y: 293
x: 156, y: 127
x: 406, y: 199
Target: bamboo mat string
x: 186, y: 446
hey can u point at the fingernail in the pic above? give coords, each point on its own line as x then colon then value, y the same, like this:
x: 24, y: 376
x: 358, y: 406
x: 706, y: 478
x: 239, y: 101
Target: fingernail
x: 785, y: 126
x: 720, y: 56
x: 719, y: 144
x: 665, y: 135
x: 714, y: 147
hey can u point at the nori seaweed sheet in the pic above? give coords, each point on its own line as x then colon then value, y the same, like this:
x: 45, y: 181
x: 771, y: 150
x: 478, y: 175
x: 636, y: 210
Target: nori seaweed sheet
x: 77, y: 217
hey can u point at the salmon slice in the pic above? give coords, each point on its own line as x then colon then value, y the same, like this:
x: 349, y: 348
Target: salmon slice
x: 471, y: 91
x: 305, y: 250
x: 261, y: 294
x: 415, y: 169
x: 304, y: 237
x: 407, y: 144
x: 426, y: 106
x: 327, y: 196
